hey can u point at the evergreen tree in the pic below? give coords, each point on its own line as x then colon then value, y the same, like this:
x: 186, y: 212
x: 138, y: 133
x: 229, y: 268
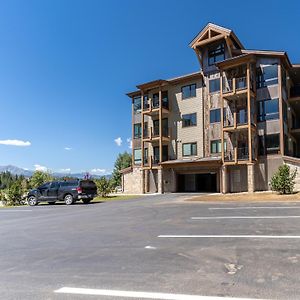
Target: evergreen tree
x: 123, y: 161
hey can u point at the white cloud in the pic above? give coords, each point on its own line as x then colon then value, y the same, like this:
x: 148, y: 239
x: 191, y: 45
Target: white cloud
x: 129, y: 141
x: 68, y: 148
x: 67, y: 170
x: 40, y: 168
x: 17, y: 143
x: 118, y: 141
x: 98, y: 171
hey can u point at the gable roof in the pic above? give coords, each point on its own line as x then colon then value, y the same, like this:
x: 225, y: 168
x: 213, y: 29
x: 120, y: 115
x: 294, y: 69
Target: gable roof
x: 212, y: 32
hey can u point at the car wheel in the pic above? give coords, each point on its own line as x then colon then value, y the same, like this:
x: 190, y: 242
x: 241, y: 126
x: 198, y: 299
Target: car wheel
x: 32, y: 201
x: 86, y: 201
x: 51, y: 203
x: 68, y: 199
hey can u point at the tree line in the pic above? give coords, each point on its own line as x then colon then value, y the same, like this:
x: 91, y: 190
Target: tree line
x: 14, y: 188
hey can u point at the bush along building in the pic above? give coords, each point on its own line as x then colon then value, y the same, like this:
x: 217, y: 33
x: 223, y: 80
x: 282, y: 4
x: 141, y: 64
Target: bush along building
x: 226, y: 128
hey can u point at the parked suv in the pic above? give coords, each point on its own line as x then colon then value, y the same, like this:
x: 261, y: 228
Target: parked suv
x: 68, y: 191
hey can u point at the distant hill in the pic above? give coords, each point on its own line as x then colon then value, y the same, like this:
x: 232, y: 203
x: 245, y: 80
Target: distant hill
x: 28, y: 173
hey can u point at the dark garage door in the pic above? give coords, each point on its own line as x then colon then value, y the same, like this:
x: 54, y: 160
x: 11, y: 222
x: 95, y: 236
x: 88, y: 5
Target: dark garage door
x: 197, y: 183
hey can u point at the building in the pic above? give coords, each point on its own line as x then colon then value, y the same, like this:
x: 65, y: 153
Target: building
x: 226, y: 128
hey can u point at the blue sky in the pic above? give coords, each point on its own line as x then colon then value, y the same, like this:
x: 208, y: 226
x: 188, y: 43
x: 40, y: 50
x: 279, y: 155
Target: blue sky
x: 65, y: 66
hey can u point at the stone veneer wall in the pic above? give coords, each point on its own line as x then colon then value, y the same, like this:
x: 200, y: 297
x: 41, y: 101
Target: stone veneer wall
x: 132, y: 181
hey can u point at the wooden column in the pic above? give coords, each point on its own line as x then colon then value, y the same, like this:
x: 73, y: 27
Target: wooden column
x: 142, y: 125
x: 160, y: 124
x: 281, y: 121
x: 222, y: 116
x: 249, y: 113
x: 132, y: 131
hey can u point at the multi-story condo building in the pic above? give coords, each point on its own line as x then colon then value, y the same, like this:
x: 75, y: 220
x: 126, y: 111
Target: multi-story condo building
x: 226, y: 128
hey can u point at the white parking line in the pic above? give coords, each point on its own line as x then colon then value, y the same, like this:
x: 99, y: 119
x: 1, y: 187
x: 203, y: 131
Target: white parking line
x: 254, y: 207
x: 140, y: 295
x: 246, y: 217
x: 234, y: 236
x: 13, y: 210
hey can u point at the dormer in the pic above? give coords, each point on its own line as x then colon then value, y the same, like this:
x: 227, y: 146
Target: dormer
x: 214, y: 44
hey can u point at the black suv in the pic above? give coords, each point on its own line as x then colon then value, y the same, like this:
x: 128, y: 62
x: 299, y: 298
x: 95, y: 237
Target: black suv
x: 68, y: 191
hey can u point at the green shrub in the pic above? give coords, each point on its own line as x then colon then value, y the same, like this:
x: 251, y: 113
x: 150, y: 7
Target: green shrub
x: 104, y: 187
x: 283, y: 181
x: 13, y: 195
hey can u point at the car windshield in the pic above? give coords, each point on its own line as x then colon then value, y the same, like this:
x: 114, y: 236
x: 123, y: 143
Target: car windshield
x: 44, y: 186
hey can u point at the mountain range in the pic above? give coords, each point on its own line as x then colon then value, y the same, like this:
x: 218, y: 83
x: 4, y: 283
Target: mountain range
x: 28, y: 173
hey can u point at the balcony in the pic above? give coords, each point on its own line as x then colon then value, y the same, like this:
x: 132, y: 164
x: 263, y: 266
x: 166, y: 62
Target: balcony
x: 235, y: 120
x: 237, y: 155
x: 152, y: 134
x: 232, y: 85
x: 152, y: 105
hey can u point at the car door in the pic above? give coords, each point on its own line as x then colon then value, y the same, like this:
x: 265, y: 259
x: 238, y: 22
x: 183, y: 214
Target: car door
x: 43, y: 191
x: 52, y: 191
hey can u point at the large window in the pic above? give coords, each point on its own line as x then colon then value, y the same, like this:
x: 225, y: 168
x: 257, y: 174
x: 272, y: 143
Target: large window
x: 137, y: 104
x: 216, y: 146
x: 137, y: 154
x: 267, y: 75
x: 214, y: 85
x: 189, y: 149
x: 269, y: 144
x: 189, y: 120
x: 215, y: 54
x: 268, y: 110
x: 137, y: 129
x: 188, y: 91
x: 215, y: 115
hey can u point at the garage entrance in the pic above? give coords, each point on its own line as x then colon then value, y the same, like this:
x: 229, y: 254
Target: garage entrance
x: 197, y: 183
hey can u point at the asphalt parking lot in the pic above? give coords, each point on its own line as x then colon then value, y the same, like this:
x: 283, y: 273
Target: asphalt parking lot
x: 155, y: 247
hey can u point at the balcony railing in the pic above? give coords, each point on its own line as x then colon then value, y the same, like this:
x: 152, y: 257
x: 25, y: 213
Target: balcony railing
x: 153, y: 132
x: 232, y: 84
x: 233, y: 120
x: 154, y: 104
x: 241, y: 153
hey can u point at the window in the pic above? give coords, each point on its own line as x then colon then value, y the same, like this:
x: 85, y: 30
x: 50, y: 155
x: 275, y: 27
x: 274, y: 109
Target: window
x: 165, y: 99
x: 137, y: 129
x: 214, y: 85
x: 188, y: 91
x: 215, y: 115
x: 137, y: 104
x: 267, y: 75
x: 216, y: 54
x: 189, y: 120
x: 272, y: 143
x: 155, y: 100
x: 268, y: 144
x: 189, y: 149
x: 146, y: 155
x: 216, y: 146
x: 137, y: 153
x: 268, y: 110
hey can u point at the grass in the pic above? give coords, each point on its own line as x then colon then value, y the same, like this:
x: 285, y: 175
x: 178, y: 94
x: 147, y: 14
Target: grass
x: 247, y: 197
x: 115, y: 198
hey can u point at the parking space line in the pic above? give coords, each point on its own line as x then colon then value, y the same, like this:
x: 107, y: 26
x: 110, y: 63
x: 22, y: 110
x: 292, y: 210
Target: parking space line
x: 14, y: 210
x: 233, y: 236
x: 140, y: 295
x: 246, y: 217
x: 254, y: 207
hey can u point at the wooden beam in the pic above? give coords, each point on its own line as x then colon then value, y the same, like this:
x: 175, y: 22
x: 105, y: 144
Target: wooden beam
x: 281, y: 121
x: 213, y: 39
x: 160, y: 124
x: 142, y: 127
x: 249, y: 113
x: 222, y: 116
x: 229, y: 44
